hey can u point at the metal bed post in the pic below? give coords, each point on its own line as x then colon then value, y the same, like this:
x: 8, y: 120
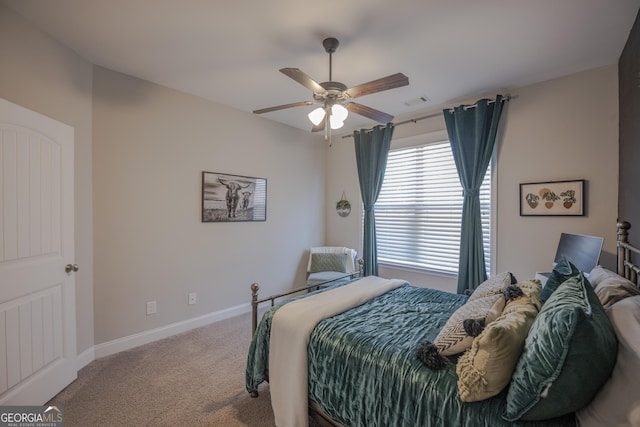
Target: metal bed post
x: 254, y: 307
x: 623, y: 252
x: 626, y: 267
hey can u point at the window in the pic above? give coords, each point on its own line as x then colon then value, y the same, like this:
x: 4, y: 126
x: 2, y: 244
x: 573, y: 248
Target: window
x: 419, y: 210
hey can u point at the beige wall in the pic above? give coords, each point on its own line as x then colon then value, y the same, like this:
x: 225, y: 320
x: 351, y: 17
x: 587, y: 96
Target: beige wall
x: 40, y: 74
x: 151, y: 145
x: 561, y: 129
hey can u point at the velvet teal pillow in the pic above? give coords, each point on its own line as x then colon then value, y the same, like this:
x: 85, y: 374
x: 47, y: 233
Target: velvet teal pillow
x: 568, y: 355
x: 562, y: 271
x: 328, y: 262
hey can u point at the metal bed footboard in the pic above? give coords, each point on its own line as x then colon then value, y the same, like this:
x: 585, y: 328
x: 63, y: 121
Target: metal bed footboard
x: 255, y: 301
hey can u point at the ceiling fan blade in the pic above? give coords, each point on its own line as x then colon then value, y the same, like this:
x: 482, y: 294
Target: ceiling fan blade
x: 385, y: 83
x: 369, y: 112
x: 320, y: 126
x: 282, y: 107
x: 303, y: 79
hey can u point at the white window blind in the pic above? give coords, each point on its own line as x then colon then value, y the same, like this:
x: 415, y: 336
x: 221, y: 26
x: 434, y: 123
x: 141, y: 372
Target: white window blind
x: 419, y: 210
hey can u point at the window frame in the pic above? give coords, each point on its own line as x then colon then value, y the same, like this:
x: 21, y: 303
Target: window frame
x: 442, y: 136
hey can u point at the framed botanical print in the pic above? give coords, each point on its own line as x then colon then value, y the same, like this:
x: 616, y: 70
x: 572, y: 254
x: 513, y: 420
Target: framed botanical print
x: 553, y: 198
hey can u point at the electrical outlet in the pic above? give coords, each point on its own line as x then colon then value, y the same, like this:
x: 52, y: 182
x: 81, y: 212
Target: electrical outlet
x: 192, y: 298
x: 151, y: 308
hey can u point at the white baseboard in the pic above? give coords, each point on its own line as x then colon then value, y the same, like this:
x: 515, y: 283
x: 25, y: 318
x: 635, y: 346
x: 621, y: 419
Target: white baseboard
x: 135, y: 340
x: 85, y: 358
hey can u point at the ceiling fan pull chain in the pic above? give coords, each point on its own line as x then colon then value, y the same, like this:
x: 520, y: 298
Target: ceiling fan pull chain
x: 327, y: 133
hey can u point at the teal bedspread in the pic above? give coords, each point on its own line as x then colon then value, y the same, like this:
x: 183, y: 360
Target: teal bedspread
x: 363, y: 371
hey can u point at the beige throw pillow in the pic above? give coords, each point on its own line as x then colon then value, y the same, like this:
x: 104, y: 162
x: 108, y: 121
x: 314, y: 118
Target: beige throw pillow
x: 486, y: 369
x: 532, y: 289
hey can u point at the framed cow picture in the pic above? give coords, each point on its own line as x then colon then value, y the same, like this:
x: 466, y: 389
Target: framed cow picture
x: 233, y: 198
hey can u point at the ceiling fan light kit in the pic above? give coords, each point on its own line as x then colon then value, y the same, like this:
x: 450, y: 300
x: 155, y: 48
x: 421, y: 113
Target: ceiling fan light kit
x: 335, y: 98
x: 337, y: 115
x: 340, y: 112
x: 316, y: 116
x: 335, y: 124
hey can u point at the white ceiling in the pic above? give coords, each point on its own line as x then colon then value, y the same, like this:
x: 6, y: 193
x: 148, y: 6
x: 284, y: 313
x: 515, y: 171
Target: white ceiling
x: 230, y: 51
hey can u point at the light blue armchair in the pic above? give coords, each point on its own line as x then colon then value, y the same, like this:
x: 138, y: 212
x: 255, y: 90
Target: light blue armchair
x: 331, y: 263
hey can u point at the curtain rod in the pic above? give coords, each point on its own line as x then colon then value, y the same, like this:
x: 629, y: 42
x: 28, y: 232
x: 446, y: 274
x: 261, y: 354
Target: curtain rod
x: 432, y: 115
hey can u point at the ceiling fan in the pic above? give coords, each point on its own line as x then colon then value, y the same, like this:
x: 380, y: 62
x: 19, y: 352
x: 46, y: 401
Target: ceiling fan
x: 335, y: 99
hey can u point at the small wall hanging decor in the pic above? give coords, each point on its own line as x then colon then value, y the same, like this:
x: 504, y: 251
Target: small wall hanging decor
x: 233, y: 198
x: 554, y: 198
x: 343, y: 207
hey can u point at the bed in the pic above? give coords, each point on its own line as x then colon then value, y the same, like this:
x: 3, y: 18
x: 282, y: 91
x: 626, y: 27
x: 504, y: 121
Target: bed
x: 361, y: 366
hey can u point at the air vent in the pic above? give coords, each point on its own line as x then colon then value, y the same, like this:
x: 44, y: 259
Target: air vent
x: 417, y: 101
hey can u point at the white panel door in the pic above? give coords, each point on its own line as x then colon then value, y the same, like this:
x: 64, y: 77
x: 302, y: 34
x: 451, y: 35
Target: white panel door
x: 37, y: 295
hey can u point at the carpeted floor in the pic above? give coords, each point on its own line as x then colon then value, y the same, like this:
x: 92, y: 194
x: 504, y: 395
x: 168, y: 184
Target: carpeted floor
x: 192, y: 379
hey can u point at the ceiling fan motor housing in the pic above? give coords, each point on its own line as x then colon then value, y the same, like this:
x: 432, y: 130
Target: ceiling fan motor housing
x: 330, y: 44
x: 335, y: 91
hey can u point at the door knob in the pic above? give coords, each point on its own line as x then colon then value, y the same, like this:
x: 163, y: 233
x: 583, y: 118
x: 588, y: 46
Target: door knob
x: 69, y: 268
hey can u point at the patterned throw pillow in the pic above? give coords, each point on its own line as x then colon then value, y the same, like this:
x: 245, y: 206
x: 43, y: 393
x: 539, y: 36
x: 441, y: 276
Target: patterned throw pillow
x: 486, y: 369
x: 486, y: 302
x: 453, y: 338
x: 328, y: 262
x: 494, y: 285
